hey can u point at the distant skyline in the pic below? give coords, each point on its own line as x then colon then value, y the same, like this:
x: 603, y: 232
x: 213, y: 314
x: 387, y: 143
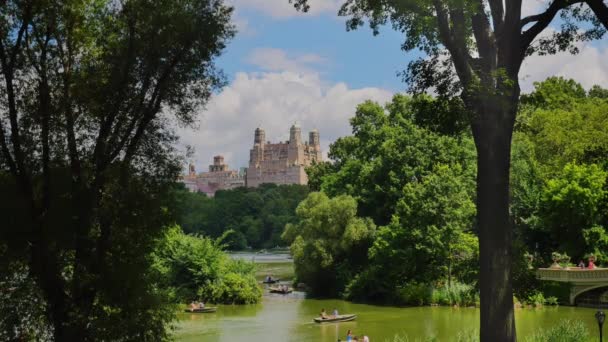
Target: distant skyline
x: 284, y: 66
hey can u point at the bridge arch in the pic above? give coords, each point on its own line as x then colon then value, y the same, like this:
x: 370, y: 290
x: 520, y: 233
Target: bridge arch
x: 582, y: 281
x: 593, y: 296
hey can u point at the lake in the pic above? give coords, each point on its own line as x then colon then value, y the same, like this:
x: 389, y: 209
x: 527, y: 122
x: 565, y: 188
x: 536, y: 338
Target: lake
x: 289, y: 317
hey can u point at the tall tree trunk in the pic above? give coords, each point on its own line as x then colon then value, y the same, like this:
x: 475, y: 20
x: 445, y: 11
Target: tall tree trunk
x: 492, y: 129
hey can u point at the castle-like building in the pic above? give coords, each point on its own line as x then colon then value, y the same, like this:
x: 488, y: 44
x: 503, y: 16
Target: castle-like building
x: 219, y: 177
x: 282, y: 162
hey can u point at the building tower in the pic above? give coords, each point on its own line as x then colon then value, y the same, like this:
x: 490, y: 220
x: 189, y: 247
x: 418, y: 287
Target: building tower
x: 218, y: 164
x: 315, y: 142
x: 295, y: 153
x: 256, y: 155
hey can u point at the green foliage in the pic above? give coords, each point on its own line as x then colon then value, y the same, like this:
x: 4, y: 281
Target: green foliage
x: 388, y: 151
x: 455, y: 294
x: 329, y: 242
x: 565, y: 331
x: 572, y: 208
x: 243, y: 217
x: 430, y: 237
x: 195, y: 268
x: 95, y: 89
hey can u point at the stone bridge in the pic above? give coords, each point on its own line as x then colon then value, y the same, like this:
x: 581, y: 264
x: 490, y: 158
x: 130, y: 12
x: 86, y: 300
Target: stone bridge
x: 582, y: 281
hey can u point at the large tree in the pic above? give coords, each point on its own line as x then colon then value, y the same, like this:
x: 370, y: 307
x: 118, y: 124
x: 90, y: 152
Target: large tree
x: 475, y: 48
x: 90, y: 91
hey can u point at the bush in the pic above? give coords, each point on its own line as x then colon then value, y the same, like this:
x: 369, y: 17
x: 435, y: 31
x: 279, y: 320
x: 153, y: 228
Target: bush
x: 552, y: 301
x: 415, y: 294
x: 455, y: 294
x: 535, y: 299
x: 565, y: 331
x: 196, y: 268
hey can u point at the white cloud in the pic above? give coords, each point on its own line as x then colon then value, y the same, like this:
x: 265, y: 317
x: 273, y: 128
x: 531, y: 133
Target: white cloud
x: 589, y: 67
x: 274, y: 101
x: 283, y: 9
x: 270, y: 59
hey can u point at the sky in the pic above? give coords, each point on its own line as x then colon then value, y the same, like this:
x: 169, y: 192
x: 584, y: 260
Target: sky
x: 284, y: 67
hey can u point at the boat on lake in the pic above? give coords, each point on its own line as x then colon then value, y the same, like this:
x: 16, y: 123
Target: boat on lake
x: 336, y: 319
x: 202, y: 310
x: 280, y: 291
x: 271, y: 281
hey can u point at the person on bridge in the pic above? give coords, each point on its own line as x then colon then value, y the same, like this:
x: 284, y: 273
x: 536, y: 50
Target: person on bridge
x: 581, y: 264
x: 591, y: 265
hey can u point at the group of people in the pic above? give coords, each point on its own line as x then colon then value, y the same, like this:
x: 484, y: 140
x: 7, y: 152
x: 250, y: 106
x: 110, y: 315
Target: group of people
x: 350, y: 337
x: 324, y: 315
x: 196, y: 306
x: 591, y: 265
x: 283, y: 288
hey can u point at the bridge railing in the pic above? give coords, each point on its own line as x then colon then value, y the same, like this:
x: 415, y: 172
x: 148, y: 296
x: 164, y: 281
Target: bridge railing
x: 573, y: 275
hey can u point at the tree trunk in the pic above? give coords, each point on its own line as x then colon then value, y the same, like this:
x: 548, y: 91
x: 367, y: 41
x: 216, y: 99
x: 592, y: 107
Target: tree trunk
x: 492, y: 128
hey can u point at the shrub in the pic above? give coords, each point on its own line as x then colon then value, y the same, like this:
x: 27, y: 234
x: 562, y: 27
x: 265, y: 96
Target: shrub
x: 535, y: 299
x: 552, y: 301
x: 565, y: 331
x: 414, y: 294
x: 455, y: 294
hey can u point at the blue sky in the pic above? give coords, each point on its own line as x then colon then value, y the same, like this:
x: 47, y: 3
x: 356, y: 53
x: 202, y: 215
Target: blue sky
x: 285, y: 67
x: 357, y: 57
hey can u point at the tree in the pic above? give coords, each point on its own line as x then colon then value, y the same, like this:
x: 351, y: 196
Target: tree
x: 329, y: 242
x: 90, y: 90
x: 196, y: 268
x: 475, y: 48
x: 386, y: 152
x: 573, y: 209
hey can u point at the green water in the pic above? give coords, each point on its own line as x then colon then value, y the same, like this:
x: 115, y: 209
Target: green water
x: 289, y: 318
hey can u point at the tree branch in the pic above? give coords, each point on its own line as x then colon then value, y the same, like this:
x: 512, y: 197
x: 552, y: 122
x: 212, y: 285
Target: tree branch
x: 601, y: 11
x: 459, y: 54
x: 542, y: 21
x: 497, y: 11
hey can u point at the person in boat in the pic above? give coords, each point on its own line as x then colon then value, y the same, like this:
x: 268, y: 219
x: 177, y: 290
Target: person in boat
x: 323, y: 315
x: 192, y: 306
x: 581, y: 264
x: 335, y: 313
x: 201, y: 305
x: 365, y: 338
x: 349, y: 336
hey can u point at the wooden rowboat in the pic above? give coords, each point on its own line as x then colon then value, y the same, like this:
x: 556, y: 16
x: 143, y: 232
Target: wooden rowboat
x: 340, y: 318
x: 203, y: 310
x: 277, y: 290
x: 272, y: 281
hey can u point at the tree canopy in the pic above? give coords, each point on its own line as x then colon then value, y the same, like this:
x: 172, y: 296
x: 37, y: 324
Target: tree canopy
x: 475, y: 49
x: 90, y: 93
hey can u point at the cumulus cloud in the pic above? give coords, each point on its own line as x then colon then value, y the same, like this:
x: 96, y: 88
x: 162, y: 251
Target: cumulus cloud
x: 589, y: 67
x: 283, y: 9
x: 274, y: 100
x: 270, y: 59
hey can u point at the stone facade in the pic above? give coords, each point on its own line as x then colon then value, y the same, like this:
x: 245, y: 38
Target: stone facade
x: 282, y: 162
x: 219, y: 177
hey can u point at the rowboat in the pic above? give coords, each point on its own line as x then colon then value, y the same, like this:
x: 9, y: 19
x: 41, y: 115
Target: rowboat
x: 340, y: 318
x: 281, y: 291
x: 203, y: 310
x: 271, y: 281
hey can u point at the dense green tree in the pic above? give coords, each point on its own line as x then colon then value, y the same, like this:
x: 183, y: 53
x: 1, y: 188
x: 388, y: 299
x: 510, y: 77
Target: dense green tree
x: 430, y: 238
x: 386, y: 152
x: 255, y: 215
x: 573, y: 209
x: 476, y: 49
x: 196, y: 268
x: 90, y: 93
x: 329, y: 242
